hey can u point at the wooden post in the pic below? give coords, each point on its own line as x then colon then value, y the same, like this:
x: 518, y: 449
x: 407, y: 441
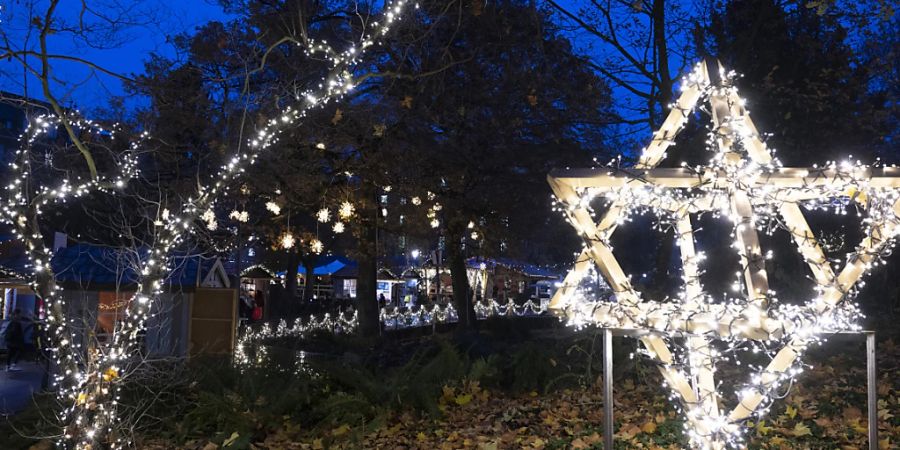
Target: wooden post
x: 608, y: 422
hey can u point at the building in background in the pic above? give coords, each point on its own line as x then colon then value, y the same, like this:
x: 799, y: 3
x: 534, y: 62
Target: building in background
x: 196, y: 313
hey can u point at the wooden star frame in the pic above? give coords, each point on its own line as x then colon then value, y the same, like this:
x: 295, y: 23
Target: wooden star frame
x: 742, y: 179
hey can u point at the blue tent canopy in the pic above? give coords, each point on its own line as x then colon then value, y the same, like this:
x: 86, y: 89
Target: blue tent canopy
x: 94, y: 265
x: 327, y: 265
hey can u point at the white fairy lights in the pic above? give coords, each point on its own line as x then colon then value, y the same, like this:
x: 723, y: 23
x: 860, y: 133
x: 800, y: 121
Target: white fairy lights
x: 239, y: 216
x: 324, y: 215
x: 90, y: 387
x: 390, y: 318
x: 287, y: 240
x: 745, y: 185
x: 346, y: 210
x: 27, y: 198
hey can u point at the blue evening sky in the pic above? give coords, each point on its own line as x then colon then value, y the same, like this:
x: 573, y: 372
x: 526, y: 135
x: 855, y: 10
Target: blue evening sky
x: 158, y: 20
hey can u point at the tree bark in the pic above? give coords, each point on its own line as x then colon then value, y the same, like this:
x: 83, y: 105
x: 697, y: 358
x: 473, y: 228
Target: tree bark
x: 462, y: 297
x: 309, y: 263
x: 661, y: 279
x: 662, y: 57
x: 366, y: 281
x: 288, y: 301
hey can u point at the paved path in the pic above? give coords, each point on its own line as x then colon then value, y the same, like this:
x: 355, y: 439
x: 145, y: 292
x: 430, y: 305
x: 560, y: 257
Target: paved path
x: 16, y: 387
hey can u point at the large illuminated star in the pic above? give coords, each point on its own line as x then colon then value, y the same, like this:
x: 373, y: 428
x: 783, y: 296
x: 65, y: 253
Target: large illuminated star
x: 743, y: 183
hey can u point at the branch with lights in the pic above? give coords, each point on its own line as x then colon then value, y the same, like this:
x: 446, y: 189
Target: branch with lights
x: 89, y: 386
x: 744, y: 184
x: 27, y: 200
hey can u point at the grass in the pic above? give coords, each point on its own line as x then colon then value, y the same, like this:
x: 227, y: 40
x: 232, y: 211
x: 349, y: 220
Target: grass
x: 499, y: 388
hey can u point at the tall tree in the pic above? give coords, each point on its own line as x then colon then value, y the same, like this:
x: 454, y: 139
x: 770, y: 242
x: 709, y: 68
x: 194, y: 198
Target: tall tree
x: 516, y: 103
x: 805, y: 83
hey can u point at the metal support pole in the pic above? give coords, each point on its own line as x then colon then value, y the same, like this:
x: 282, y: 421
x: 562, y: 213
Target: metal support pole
x: 607, y: 390
x: 872, y: 390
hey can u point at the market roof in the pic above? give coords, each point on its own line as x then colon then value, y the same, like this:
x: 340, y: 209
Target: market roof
x: 525, y: 268
x: 93, y: 266
x: 330, y: 265
x: 339, y: 266
x: 257, y: 271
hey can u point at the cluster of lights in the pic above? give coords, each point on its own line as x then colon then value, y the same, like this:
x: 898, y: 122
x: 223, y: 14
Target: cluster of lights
x: 239, y: 216
x: 346, y: 211
x: 287, y: 240
x: 743, y: 184
x: 89, y: 379
x: 492, y: 308
x: 273, y: 207
x: 342, y: 213
x: 390, y: 318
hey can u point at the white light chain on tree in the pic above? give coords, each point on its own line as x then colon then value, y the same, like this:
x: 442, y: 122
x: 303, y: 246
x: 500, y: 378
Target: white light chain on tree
x: 91, y: 424
x: 25, y: 204
x: 745, y: 185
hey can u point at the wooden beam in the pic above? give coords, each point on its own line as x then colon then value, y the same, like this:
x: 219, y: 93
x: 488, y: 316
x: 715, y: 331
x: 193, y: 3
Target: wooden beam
x: 726, y: 109
x: 687, y: 178
x: 700, y: 359
x: 752, y: 260
x: 848, y: 277
x: 806, y: 241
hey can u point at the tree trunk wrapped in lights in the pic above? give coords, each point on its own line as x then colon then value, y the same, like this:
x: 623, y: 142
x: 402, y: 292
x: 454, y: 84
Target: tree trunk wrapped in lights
x: 742, y: 183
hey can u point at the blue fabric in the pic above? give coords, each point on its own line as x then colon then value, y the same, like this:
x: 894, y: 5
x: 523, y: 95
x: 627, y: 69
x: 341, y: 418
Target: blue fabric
x: 86, y: 264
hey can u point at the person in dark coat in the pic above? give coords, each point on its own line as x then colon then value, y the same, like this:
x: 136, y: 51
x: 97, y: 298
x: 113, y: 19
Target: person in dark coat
x: 15, y: 340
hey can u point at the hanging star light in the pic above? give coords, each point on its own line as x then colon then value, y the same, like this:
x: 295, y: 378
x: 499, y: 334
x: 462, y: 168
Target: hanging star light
x: 323, y: 215
x: 287, y: 240
x: 346, y: 210
x: 743, y: 183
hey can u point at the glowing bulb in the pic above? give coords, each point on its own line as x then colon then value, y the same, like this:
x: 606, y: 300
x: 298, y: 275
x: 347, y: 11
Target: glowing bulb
x: 323, y: 215
x: 347, y: 210
x: 287, y: 240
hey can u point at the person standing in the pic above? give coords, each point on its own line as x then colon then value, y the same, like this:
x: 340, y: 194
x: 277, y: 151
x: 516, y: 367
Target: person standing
x: 15, y: 341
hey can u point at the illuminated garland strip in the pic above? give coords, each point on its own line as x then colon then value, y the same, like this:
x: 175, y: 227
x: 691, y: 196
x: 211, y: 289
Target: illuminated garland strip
x: 391, y: 319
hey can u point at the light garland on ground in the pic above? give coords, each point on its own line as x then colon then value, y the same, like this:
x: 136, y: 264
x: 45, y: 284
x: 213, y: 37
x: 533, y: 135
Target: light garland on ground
x: 252, y: 338
x: 492, y: 308
x: 91, y: 388
x: 745, y: 185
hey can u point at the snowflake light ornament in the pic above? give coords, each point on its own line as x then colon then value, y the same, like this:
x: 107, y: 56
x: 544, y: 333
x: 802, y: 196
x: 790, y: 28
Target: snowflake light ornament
x: 744, y: 183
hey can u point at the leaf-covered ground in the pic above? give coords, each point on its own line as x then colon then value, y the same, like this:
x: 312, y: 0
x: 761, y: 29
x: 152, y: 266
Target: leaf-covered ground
x: 825, y: 410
